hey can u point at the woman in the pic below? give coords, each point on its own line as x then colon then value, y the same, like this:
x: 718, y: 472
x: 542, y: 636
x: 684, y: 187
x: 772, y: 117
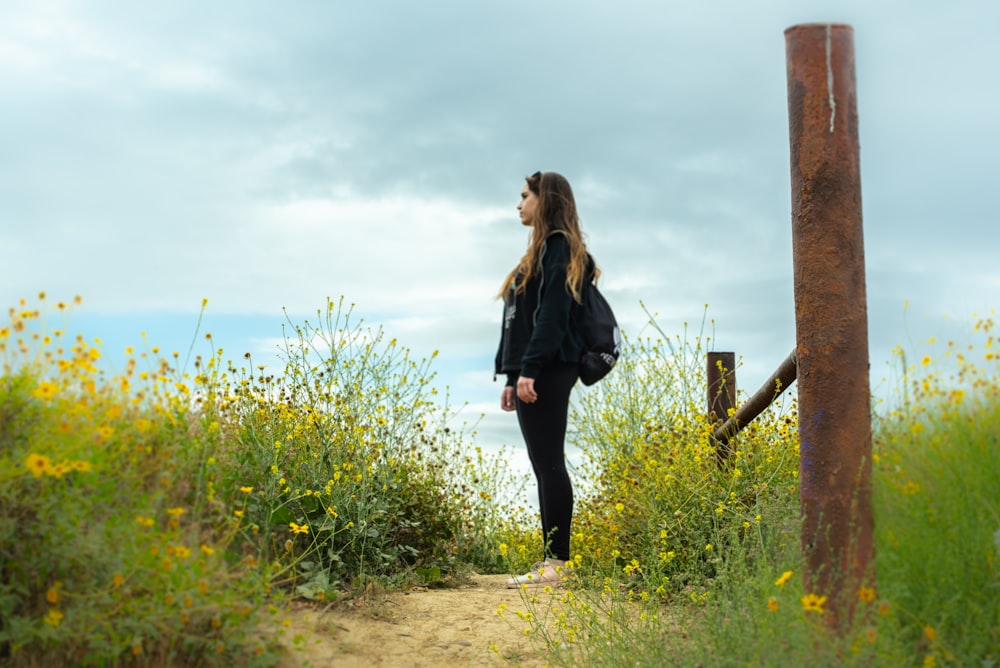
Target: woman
x: 539, y: 352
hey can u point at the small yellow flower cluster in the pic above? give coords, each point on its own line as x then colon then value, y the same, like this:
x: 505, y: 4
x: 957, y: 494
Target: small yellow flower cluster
x: 39, y: 465
x: 179, y: 551
x: 175, y: 516
x: 633, y: 567
x: 54, y: 617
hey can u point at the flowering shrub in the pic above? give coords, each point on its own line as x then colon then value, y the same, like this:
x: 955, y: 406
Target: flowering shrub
x: 349, y: 466
x: 664, y: 504
x: 112, y: 547
x: 161, y: 515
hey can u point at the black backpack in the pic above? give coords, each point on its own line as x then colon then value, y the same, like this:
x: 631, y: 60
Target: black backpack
x: 602, y: 340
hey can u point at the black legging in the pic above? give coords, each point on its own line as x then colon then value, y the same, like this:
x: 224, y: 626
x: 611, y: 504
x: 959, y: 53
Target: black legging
x: 543, y: 425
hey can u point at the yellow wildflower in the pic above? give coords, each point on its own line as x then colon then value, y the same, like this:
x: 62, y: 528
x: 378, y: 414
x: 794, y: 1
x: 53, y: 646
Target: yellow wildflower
x: 813, y: 603
x: 38, y: 464
x: 785, y: 577
x: 180, y: 551
x: 54, y: 618
x: 45, y: 390
x: 58, y: 470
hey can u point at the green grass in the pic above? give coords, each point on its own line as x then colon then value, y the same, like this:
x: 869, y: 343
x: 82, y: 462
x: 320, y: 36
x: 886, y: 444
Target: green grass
x: 169, y: 515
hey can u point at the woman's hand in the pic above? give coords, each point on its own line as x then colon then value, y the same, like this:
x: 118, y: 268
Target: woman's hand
x: 507, y: 399
x: 526, y: 390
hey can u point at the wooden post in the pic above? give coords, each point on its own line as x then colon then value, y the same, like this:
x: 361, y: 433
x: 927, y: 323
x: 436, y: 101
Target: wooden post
x: 720, y: 373
x: 772, y: 388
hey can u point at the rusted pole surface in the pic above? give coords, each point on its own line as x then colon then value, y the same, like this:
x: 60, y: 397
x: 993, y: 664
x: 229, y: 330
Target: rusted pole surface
x: 831, y: 319
x: 779, y: 381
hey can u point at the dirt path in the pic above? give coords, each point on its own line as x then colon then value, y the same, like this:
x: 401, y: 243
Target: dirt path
x: 421, y: 627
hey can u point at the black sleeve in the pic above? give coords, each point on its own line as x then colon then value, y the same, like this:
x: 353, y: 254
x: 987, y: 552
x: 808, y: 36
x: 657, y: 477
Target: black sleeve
x: 554, y: 303
x: 511, y: 379
x: 497, y: 359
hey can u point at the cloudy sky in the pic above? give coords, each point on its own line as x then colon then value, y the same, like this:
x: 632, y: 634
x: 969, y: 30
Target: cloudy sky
x: 268, y: 155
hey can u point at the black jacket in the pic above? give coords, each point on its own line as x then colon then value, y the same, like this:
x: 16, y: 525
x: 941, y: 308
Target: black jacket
x: 536, y: 323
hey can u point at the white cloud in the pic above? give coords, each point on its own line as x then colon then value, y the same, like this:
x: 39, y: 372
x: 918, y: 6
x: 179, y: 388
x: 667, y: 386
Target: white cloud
x: 268, y: 157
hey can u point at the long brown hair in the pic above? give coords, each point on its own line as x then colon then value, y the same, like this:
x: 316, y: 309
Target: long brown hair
x: 555, y: 212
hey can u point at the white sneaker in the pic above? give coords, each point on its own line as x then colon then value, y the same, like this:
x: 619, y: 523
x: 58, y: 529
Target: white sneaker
x: 542, y: 573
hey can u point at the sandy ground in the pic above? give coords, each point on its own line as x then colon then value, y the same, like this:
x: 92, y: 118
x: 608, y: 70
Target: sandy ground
x: 421, y: 627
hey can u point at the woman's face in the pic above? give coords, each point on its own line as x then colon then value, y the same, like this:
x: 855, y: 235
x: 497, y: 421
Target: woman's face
x: 526, y: 207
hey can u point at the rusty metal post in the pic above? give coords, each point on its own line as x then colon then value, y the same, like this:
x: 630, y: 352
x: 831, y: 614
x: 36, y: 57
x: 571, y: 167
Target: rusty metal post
x: 772, y: 388
x: 831, y: 319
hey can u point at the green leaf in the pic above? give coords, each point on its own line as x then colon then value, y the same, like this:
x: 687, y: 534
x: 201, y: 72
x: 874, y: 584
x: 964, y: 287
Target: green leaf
x: 314, y: 586
x: 310, y: 504
x: 281, y: 515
